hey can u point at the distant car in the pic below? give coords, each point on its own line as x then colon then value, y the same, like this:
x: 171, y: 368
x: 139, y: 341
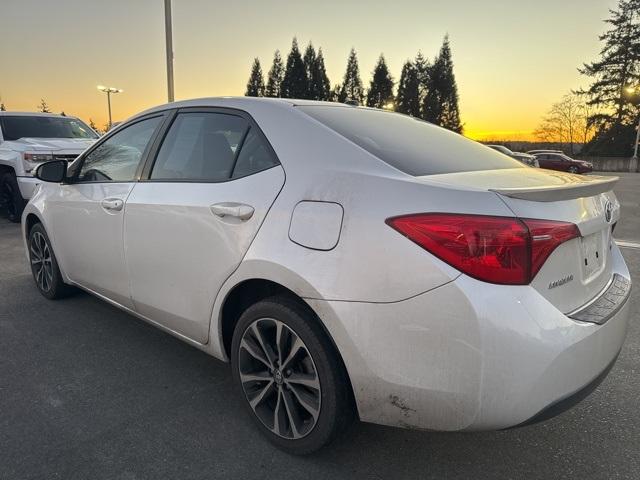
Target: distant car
x: 28, y: 139
x: 563, y: 163
x: 535, y: 152
x: 521, y: 157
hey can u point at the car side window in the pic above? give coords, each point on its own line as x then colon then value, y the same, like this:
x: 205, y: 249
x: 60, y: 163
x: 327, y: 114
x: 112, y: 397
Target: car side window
x: 200, y: 146
x: 255, y: 156
x: 117, y: 158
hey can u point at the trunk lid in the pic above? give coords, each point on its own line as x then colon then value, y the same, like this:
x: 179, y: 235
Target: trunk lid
x: 579, y: 269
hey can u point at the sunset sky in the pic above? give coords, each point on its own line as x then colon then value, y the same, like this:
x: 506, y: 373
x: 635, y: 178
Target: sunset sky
x: 512, y: 58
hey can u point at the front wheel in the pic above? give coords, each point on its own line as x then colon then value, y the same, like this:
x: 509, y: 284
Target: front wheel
x: 290, y: 375
x: 11, y: 198
x: 44, y: 265
x: 573, y: 170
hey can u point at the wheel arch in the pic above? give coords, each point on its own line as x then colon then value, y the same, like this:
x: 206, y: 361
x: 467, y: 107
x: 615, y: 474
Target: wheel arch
x: 251, y: 290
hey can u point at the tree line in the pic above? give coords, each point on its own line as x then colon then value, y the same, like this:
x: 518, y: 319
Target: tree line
x: 603, y: 116
x: 426, y: 90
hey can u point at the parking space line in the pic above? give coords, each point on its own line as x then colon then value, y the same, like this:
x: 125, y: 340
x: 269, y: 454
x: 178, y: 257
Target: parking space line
x: 628, y: 244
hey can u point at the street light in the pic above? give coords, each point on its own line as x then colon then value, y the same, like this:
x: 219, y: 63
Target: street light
x: 634, y: 160
x: 109, y: 91
x: 168, y: 32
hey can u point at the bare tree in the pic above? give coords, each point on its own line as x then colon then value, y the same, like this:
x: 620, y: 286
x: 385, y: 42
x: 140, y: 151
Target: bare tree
x: 43, y: 107
x: 567, y: 122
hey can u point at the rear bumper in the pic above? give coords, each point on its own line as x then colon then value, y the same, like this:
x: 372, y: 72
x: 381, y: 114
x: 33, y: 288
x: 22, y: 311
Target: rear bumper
x: 469, y: 355
x: 27, y: 185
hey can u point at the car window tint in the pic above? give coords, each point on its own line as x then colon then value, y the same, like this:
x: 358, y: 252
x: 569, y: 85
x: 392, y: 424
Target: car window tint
x: 413, y: 146
x: 117, y: 158
x: 200, y: 147
x: 255, y: 155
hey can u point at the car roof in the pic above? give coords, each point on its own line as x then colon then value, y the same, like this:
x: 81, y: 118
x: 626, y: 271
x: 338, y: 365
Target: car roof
x: 247, y: 103
x: 33, y: 114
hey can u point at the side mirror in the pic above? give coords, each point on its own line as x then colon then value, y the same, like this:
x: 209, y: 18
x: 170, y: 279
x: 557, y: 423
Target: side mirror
x: 54, y: 172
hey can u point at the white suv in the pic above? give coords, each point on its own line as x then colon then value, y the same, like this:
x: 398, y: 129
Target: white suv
x: 28, y: 139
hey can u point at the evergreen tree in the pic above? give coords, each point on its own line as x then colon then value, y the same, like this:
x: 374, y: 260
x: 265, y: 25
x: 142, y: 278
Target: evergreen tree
x: 43, y: 107
x: 617, y: 68
x: 276, y: 74
x: 2, y: 107
x: 408, y: 98
x: 352, y: 85
x: 320, y: 80
x: 422, y: 70
x: 336, y: 93
x: 309, y: 61
x: 440, y: 105
x: 295, y: 83
x: 380, y: 91
x: 255, y: 85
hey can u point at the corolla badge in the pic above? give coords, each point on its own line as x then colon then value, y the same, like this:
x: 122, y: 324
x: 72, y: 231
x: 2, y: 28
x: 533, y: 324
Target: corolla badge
x: 608, y: 211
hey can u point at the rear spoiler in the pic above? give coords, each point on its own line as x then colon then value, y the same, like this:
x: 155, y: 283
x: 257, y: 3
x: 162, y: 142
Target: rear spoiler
x: 587, y: 187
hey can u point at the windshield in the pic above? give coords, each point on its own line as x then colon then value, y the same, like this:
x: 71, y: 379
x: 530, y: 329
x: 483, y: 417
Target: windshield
x: 21, y: 126
x: 413, y: 146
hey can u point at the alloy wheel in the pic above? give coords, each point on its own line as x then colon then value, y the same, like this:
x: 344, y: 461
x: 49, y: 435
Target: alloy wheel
x: 41, y: 261
x: 279, y: 378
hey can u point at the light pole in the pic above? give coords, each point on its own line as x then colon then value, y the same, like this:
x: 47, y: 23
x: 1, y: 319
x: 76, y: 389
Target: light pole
x: 634, y: 159
x: 168, y: 31
x: 109, y: 91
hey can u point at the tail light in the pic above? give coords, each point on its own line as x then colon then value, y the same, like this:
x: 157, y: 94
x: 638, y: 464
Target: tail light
x: 502, y: 250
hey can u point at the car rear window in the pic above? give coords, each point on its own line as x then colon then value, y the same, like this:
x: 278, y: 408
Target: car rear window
x: 413, y: 146
x: 25, y: 126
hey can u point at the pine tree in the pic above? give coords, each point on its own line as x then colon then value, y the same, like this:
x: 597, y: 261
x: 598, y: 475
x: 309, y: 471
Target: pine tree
x: 440, y: 105
x: 309, y: 61
x: 617, y: 68
x: 422, y: 69
x: 276, y: 74
x: 255, y: 85
x: 380, y: 92
x: 43, y: 107
x: 352, y: 85
x: 408, y: 98
x: 294, y: 84
x: 320, y: 80
x: 336, y: 93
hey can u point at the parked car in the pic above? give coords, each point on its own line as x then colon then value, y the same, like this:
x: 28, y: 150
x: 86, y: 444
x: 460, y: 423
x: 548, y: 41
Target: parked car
x: 26, y: 141
x: 535, y: 152
x: 563, y: 163
x: 521, y: 157
x: 348, y: 262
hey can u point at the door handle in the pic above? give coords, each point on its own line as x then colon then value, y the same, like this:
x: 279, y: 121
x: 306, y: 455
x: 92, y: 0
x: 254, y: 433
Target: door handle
x: 232, y: 209
x: 113, y: 204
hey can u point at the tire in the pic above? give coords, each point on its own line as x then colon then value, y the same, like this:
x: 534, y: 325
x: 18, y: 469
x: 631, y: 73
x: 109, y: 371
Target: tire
x: 573, y: 170
x: 277, y: 394
x: 46, y: 273
x: 11, y: 198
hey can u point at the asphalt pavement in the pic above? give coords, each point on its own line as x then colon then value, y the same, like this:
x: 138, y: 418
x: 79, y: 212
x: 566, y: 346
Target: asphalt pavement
x: 89, y: 392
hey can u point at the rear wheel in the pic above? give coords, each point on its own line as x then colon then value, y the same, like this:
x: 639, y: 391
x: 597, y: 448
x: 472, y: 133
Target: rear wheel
x: 573, y: 169
x: 11, y: 198
x: 290, y: 375
x: 44, y: 265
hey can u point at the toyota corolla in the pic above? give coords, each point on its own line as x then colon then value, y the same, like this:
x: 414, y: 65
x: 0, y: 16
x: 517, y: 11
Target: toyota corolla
x: 348, y: 262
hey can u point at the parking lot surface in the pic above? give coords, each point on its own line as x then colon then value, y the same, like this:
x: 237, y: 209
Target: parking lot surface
x: 89, y: 392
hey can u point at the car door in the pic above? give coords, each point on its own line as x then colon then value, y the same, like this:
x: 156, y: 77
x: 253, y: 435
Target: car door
x: 190, y: 221
x: 88, y: 212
